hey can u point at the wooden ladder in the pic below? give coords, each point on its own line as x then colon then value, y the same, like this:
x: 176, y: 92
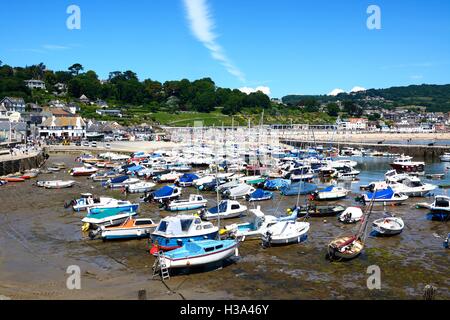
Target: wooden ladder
x: 160, y: 268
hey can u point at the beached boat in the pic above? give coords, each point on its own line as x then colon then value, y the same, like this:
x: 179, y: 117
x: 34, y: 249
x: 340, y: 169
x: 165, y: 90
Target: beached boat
x: 129, y: 229
x: 331, y: 193
x: 276, y: 184
x: 12, y: 179
x: 56, y: 184
x: 447, y: 241
x: 88, y: 200
x: 199, y: 253
x: 226, y: 209
x: 240, y: 191
x: 110, y: 214
x: 120, y: 182
x: 260, y: 195
x: 285, y: 232
x: 440, y: 207
x: 298, y: 188
x: 256, y: 227
x: 164, y: 194
x: 312, y: 210
x: 186, y: 180
x: 140, y: 187
x: 173, y: 232
x: 388, y: 226
x: 83, y: 171
x: 2, y: 183
x: 195, y: 201
x: 445, y: 157
x: 405, y: 164
x: 168, y: 177
x: 345, y: 248
x: 386, y: 196
x: 351, y: 215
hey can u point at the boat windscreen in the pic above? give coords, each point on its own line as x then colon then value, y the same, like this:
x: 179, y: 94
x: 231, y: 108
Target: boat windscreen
x: 185, y: 224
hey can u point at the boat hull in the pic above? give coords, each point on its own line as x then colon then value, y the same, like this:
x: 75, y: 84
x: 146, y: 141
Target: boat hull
x: 172, y: 243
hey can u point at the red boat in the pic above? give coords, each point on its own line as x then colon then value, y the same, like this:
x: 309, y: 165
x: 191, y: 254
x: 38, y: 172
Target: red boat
x: 404, y: 164
x: 13, y: 179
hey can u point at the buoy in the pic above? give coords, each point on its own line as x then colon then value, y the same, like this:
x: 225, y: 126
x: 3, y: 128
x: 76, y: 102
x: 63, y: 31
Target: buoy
x: 85, y: 227
x: 223, y: 231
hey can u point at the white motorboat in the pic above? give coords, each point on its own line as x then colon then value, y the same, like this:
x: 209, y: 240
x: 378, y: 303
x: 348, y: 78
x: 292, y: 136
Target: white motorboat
x: 285, y: 232
x: 440, y: 205
x: 410, y: 186
x: 386, y: 196
x: 445, y: 157
x: 88, y: 200
x: 240, y: 191
x: 195, y: 201
x: 226, y: 209
x: 87, y: 170
x: 140, y: 187
x: 351, y: 215
x: 331, y: 193
x: 388, y: 226
x: 405, y: 164
x: 129, y: 229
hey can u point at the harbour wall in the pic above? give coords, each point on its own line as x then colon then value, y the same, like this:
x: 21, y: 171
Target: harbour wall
x: 20, y: 164
x: 425, y: 152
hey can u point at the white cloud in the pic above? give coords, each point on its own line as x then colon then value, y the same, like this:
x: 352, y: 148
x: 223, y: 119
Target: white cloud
x: 335, y: 92
x: 54, y: 47
x: 358, y: 89
x: 249, y: 90
x: 416, y: 77
x: 202, y: 26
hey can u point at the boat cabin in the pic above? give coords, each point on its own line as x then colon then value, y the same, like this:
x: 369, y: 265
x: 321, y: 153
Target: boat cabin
x: 185, y: 224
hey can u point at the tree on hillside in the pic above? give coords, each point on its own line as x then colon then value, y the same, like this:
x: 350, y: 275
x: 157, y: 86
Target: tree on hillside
x: 76, y: 68
x: 352, y: 108
x: 333, y: 109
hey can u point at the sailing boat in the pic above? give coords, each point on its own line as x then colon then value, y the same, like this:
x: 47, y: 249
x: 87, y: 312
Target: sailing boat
x: 349, y: 247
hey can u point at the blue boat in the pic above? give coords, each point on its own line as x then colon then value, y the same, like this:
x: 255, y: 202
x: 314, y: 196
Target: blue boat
x: 187, y: 179
x: 260, y: 195
x: 200, y: 253
x: 166, y: 193
x: 276, y: 184
x: 2, y: 183
x: 173, y: 232
x: 111, y: 214
x: 299, y: 188
x: 116, y: 180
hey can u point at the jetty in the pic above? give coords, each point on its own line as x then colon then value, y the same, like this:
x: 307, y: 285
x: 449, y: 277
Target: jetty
x: 21, y: 162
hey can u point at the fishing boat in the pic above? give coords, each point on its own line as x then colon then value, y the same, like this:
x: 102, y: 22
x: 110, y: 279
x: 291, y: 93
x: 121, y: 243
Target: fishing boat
x: 260, y: 195
x: 405, y: 164
x: 386, y: 196
x: 256, y: 227
x: 173, y: 232
x: 351, y: 215
x: 330, y: 193
x: 312, y: 210
x: 83, y: 171
x: 298, y: 188
x: 388, y: 226
x: 195, y: 201
x: 140, y: 187
x: 88, y: 200
x: 110, y: 214
x: 56, y: 184
x: 225, y: 209
x: 186, y: 180
x: 285, y: 232
x: 164, y: 194
x: 200, y: 253
x: 240, y: 191
x: 130, y: 229
x: 445, y: 157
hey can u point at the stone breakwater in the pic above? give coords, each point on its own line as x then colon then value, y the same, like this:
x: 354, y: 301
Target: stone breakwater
x: 15, y: 164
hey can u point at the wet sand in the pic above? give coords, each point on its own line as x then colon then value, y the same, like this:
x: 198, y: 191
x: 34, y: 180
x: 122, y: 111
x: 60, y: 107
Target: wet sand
x: 40, y: 239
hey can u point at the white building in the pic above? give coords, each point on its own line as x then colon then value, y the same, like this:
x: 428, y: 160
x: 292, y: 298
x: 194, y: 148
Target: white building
x: 353, y: 124
x: 67, y: 127
x: 35, y: 84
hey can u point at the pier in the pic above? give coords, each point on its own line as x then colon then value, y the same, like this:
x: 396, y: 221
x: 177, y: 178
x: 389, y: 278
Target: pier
x: 415, y: 150
x: 19, y: 163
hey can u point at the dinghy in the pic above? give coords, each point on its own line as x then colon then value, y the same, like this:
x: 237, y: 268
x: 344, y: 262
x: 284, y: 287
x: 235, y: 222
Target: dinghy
x: 386, y: 196
x: 351, y: 215
x: 129, y: 229
x: 56, y: 184
x: 83, y: 171
x: 226, y: 209
x: 260, y: 195
x: 298, y: 188
x: 285, y: 232
x: 87, y: 200
x: 195, y: 201
x: 317, y: 211
x: 110, y: 214
x: 388, y: 226
x: 173, y: 232
x: 330, y: 193
x: 140, y: 187
x: 12, y: 179
x: 199, y: 253
x: 240, y: 191
x: 164, y: 194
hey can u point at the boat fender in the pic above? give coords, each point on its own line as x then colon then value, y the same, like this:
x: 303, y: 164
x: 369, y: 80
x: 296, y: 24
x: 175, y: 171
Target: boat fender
x: 139, y: 233
x: 85, y: 227
x: 236, y: 252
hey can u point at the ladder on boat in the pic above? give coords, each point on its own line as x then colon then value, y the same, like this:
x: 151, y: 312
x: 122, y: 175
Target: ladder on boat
x: 160, y: 268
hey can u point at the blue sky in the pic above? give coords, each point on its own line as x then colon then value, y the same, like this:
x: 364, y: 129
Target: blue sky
x: 289, y: 46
